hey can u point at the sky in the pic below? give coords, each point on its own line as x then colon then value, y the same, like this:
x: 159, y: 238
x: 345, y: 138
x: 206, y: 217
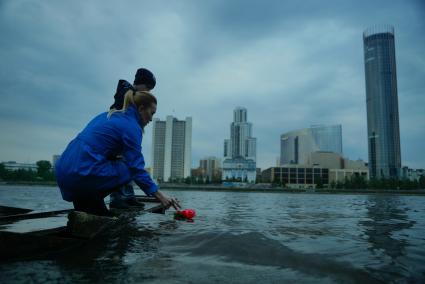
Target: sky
x: 292, y: 64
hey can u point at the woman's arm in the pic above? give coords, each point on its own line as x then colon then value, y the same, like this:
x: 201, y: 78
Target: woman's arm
x: 132, y: 152
x: 136, y: 162
x: 167, y: 201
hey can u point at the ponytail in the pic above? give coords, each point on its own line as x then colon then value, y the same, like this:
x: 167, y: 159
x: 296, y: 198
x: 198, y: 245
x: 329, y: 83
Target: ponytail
x: 139, y: 98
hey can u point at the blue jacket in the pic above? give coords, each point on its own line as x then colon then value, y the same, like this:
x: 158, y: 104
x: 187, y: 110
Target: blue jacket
x: 87, y: 166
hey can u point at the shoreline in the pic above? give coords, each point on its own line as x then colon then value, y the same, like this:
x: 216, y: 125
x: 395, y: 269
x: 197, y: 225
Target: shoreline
x: 30, y: 183
x: 289, y: 190
x: 219, y: 188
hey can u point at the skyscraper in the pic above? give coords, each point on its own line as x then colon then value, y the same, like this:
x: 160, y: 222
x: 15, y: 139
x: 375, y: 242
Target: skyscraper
x: 297, y: 145
x: 171, y: 148
x: 382, y: 102
x: 240, y: 150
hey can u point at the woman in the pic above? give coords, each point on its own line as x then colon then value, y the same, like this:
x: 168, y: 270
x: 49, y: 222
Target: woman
x: 144, y: 80
x: 88, y: 171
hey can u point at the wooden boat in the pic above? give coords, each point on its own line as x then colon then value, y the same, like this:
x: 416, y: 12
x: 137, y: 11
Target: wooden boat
x: 76, y: 229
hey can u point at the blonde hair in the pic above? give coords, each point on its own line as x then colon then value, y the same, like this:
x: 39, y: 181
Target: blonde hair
x: 137, y: 98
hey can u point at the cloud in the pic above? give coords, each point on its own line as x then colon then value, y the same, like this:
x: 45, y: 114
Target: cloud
x: 290, y: 65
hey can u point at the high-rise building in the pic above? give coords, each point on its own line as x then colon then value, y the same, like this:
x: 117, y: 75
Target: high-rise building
x: 240, y: 152
x: 171, y: 148
x: 382, y: 102
x: 210, y: 168
x: 297, y: 145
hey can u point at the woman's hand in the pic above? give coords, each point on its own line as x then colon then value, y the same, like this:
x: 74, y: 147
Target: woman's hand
x: 166, y: 201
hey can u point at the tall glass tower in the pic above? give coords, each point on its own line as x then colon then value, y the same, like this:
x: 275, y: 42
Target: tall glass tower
x: 297, y: 145
x: 382, y: 102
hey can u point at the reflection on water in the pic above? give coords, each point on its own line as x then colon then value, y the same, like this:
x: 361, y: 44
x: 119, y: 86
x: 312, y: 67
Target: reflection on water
x: 245, y: 238
x: 386, y: 218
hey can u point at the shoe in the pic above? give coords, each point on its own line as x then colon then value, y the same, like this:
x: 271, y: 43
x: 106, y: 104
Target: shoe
x: 119, y: 204
x: 132, y: 202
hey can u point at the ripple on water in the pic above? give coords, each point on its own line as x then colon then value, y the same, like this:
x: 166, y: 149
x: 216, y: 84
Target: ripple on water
x: 242, y: 238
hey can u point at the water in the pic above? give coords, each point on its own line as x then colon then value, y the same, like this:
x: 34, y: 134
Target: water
x: 243, y: 238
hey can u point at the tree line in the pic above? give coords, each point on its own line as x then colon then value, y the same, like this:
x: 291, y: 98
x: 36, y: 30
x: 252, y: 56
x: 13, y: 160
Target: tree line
x: 44, y: 172
x: 359, y: 182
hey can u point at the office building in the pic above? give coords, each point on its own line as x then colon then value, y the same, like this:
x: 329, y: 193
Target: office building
x: 334, y: 161
x: 340, y: 175
x: 412, y: 174
x: 171, y: 149
x: 210, y: 168
x: 14, y: 166
x: 382, y: 103
x: 309, y: 177
x: 296, y: 176
x: 240, y: 151
x: 297, y: 145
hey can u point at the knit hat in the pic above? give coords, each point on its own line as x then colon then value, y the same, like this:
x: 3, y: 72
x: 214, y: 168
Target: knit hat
x: 145, y: 77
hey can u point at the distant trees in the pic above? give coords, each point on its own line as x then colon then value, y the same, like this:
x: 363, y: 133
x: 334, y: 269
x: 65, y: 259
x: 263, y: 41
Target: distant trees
x: 44, y: 170
x: 360, y: 182
x: 355, y: 182
x: 194, y: 180
x: 3, y: 171
x: 319, y: 183
x: 234, y: 179
x: 392, y: 183
x: 187, y: 180
x: 422, y: 182
x: 44, y: 173
x: 216, y: 178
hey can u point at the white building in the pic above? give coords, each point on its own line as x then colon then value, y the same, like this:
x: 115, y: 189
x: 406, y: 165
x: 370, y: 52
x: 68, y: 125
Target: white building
x: 412, y: 174
x: 339, y: 175
x: 240, y: 151
x: 171, y: 148
x: 14, y: 166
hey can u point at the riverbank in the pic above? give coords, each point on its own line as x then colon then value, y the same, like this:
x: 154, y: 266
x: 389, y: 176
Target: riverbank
x: 186, y: 187
x: 189, y: 187
x: 30, y: 183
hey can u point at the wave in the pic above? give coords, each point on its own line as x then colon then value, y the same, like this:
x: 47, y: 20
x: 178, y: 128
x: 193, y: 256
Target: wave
x: 255, y: 248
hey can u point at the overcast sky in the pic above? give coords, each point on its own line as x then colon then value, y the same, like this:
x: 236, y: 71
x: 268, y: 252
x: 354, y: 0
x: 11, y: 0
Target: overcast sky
x: 292, y: 64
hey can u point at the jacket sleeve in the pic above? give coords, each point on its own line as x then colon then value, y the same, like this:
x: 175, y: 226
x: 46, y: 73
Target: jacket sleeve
x: 132, y: 152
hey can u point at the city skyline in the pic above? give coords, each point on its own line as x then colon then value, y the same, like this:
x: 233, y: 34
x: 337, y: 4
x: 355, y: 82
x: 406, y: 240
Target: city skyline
x: 291, y: 65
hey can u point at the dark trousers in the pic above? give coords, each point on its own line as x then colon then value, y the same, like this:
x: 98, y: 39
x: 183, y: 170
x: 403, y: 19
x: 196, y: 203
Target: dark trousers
x: 94, y: 203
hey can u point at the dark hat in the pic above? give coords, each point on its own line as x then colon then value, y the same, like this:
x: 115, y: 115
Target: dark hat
x: 145, y: 77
